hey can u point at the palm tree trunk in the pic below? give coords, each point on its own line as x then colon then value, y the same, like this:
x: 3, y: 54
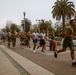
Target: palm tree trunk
x: 63, y: 25
x: 23, y: 27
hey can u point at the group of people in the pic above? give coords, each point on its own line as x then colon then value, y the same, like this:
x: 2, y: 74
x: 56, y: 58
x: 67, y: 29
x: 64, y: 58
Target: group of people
x: 41, y: 37
x: 70, y: 34
x: 42, y: 40
x: 25, y: 39
x: 11, y: 37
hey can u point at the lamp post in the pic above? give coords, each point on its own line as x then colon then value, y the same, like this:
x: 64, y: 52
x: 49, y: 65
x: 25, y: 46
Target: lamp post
x: 24, y: 13
x: 39, y: 25
x: 38, y: 21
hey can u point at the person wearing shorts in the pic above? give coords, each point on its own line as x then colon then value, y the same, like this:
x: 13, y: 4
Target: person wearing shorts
x: 28, y: 39
x: 35, y: 37
x: 9, y: 38
x: 42, y: 41
x: 68, y: 42
x: 13, y: 38
x: 22, y: 39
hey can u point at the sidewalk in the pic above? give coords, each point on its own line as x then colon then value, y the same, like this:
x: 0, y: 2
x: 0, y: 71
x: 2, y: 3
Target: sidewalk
x: 30, y: 67
x: 6, y: 67
x: 60, y: 66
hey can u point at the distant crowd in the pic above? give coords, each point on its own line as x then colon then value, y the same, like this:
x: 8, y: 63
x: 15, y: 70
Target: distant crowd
x: 26, y: 37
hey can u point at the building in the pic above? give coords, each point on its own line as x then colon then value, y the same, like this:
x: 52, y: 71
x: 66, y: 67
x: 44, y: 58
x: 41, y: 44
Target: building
x: 8, y: 23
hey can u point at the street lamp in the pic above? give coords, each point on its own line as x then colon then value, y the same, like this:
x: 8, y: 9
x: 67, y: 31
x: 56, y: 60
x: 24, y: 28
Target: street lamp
x: 39, y: 25
x: 38, y: 22
x: 24, y: 13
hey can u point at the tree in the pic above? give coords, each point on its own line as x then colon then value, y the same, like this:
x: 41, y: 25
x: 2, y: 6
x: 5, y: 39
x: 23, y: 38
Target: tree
x: 75, y: 16
x: 3, y: 30
x: 63, y: 9
x: 7, y: 29
x: 14, y: 27
x: 42, y: 25
x: 46, y: 25
x: 27, y: 24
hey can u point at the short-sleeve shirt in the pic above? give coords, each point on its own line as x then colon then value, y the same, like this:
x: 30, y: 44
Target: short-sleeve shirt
x: 42, y: 35
x: 69, y: 29
x: 74, y: 28
x: 68, y: 42
x: 28, y: 36
x: 35, y: 35
x: 21, y: 37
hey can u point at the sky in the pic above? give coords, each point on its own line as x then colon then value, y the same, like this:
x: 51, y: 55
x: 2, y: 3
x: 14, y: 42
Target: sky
x: 12, y: 10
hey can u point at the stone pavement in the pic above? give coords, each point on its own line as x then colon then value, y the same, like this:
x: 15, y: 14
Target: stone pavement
x: 6, y: 68
x: 60, y: 66
x: 19, y: 65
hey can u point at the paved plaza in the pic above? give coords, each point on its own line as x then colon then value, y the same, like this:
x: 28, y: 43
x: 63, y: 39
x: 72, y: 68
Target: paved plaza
x: 22, y: 61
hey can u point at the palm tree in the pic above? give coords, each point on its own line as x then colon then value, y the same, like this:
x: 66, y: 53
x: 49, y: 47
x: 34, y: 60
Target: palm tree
x: 63, y: 9
x: 27, y: 24
x: 14, y: 27
x: 75, y: 16
x: 46, y: 25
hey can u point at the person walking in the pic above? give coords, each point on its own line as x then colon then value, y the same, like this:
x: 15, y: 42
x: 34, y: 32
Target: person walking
x: 52, y: 41
x: 35, y: 36
x: 22, y: 39
x: 9, y: 38
x: 42, y: 41
x: 28, y: 39
x: 68, y: 42
x: 13, y: 36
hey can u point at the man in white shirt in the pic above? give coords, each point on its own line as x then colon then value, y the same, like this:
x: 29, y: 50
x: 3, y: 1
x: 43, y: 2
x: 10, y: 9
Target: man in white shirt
x: 35, y: 37
x: 42, y: 41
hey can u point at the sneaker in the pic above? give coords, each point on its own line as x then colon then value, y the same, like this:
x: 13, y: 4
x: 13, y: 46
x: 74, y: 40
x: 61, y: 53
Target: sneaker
x: 55, y: 54
x: 37, y: 47
x: 42, y: 50
x: 29, y: 47
x: 74, y: 63
x: 33, y: 51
